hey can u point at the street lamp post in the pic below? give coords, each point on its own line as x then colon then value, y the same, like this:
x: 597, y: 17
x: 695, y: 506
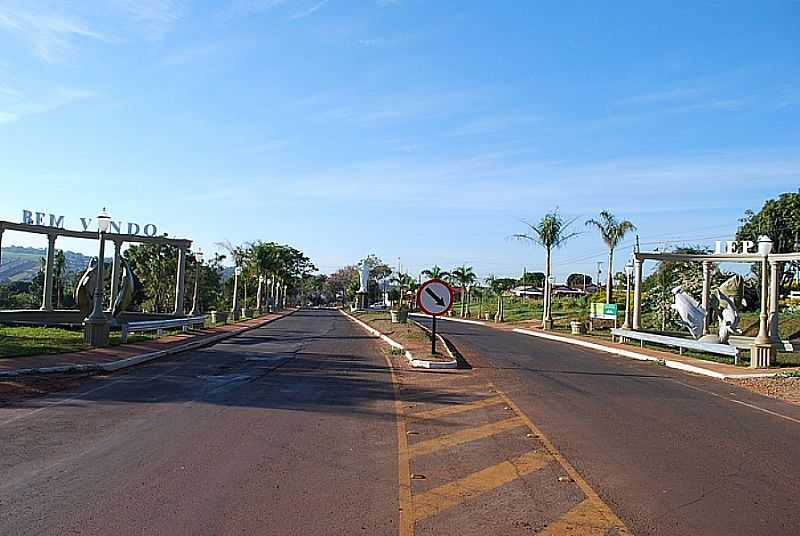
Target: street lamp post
x: 628, y: 273
x: 235, y: 308
x: 95, y: 326
x: 199, y: 259
x: 762, y: 351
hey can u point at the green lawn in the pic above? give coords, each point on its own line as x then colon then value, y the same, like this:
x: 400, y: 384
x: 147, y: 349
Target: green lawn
x: 20, y: 341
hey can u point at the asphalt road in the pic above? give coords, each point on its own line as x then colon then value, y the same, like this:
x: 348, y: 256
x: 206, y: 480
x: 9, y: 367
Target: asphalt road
x: 670, y: 453
x: 288, y: 429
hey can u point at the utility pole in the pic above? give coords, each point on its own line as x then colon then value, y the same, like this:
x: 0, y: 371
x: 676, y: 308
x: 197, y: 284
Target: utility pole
x: 599, y: 271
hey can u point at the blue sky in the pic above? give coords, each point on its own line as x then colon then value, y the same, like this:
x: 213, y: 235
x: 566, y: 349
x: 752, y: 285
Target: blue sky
x: 409, y: 128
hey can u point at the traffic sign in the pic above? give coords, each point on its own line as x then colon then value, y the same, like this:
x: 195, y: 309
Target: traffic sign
x: 435, y: 297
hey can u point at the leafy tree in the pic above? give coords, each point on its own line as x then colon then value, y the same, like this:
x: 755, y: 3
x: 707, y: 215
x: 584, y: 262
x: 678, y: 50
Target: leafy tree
x: 155, y: 266
x: 500, y: 285
x: 533, y: 279
x: 378, y: 271
x: 343, y: 282
x: 780, y: 220
x: 612, y: 230
x: 551, y: 232
x: 577, y: 280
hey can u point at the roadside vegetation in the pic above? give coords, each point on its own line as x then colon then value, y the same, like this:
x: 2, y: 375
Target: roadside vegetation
x: 409, y: 334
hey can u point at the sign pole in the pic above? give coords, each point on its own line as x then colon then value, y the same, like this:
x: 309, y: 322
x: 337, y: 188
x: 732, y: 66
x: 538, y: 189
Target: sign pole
x: 433, y: 337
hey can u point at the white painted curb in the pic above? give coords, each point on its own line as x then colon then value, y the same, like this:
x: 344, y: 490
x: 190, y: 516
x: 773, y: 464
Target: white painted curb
x: 137, y: 359
x: 416, y: 363
x: 643, y: 357
x: 678, y: 365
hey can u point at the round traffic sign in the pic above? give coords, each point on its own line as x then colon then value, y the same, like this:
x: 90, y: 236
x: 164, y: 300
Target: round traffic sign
x: 435, y: 297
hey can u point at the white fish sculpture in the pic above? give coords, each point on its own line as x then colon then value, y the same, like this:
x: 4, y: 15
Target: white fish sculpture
x: 692, y: 314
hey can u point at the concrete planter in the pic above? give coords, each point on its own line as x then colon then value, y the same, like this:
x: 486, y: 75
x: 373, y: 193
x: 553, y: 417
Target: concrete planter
x: 219, y: 316
x: 399, y: 317
x: 578, y: 328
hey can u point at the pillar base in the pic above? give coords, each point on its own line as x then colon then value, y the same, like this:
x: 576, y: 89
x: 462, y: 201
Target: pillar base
x: 761, y: 355
x: 361, y: 301
x: 96, y: 333
x: 547, y: 325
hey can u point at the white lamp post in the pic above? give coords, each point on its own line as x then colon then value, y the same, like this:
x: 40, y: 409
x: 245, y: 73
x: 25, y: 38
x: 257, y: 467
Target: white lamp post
x: 761, y: 352
x: 95, y: 326
x: 628, y: 274
x: 199, y: 261
x: 235, y: 308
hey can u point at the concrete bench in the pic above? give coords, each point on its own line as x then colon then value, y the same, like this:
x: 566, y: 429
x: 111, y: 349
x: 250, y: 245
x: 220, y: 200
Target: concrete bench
x: 678, y: 342
x: 160, y: 325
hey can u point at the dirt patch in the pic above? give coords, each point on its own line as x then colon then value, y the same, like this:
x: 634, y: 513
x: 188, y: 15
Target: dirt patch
x: 783, y: 388
x: 15, y: 389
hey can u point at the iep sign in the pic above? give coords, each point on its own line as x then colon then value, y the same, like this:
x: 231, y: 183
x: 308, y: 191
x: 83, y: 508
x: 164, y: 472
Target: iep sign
x: 30, y: 217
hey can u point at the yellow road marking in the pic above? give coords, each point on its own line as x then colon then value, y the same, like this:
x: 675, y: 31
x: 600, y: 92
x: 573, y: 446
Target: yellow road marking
x: 433, y: 501
x: 583, y: 520
x: 601, y: 513
x: 456, y: 408
x: 451, y: 440
x: 406, y: 527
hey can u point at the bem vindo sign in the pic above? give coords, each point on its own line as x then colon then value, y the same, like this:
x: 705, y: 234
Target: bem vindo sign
x: 30, y: 217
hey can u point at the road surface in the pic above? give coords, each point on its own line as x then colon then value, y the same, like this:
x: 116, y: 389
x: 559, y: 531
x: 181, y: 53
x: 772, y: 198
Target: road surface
x: 670, y: 453
x: 288, y: 429
x: 301, y: 427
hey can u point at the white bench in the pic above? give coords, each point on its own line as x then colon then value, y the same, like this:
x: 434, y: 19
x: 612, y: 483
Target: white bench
x: 160, y: 325
x: 678, y: 342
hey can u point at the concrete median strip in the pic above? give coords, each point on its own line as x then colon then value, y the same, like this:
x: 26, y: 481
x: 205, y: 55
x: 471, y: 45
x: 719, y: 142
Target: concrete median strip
x: 417, y: 363
x: 138, y: 359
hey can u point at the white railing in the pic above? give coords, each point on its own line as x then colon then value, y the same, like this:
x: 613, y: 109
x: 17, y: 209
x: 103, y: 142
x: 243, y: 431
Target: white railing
x: 161, y: 325
x: 678, y: 342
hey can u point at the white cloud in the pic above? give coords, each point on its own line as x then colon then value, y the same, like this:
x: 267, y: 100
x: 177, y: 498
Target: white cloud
x: 307, y: 12
x: 50, y: 34
x: 15, y: 107
x: 156, y: 17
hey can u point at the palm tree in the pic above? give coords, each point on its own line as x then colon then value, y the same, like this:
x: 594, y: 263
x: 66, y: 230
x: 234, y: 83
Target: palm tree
x: 551, y: 232
x: 404, y: 283
x: 464, y: 277
x: 613, y: 231
x: 436, y: 273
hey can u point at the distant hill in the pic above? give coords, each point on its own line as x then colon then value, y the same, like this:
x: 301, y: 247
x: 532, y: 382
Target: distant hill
x: 22, y: 264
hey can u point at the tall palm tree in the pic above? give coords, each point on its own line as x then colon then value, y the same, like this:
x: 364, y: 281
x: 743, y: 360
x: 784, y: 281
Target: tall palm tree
x: 435, y: 273
x: 612, y: 231
x: 464, y: 277
x: 551, y: 233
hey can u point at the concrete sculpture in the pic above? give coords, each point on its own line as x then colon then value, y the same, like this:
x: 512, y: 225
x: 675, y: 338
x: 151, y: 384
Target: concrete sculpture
x: 724, y: 305
x: 84, y: 291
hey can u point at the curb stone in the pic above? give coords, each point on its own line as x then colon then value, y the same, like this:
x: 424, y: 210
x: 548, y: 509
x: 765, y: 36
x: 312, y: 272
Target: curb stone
x: 416, y: 363
x: 137, y: 359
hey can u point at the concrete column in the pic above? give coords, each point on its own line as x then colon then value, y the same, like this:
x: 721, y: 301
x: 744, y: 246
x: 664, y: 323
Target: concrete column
x: 706, y: 295
x: 47, y: 294
x: 116, y: 273
x: 637, y: 294
x: 774, y: 297
x: 179, y: 281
